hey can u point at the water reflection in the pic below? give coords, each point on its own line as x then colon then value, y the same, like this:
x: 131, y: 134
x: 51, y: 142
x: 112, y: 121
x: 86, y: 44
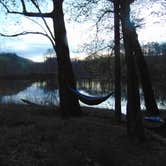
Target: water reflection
x: 37, y: 92
x: 95, y: 87
x: 46, y: 92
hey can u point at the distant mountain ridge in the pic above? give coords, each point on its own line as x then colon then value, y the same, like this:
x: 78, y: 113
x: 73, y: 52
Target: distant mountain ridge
x: 12, y: 63
x: 13, y: 56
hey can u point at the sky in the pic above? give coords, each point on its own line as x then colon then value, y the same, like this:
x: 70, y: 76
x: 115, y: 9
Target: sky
x: 34, y: 47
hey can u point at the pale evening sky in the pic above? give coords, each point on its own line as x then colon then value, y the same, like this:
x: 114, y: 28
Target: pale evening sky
x: 34, y: 46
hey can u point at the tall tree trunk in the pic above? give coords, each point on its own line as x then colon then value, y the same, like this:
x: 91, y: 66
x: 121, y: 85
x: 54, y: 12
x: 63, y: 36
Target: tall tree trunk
x: 149, y: 97
x: 117, y: 62
x: 68, y: 101
x: 134, y: 120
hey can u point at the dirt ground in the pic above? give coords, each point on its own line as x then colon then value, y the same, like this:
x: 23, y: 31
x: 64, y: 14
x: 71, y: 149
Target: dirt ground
x: 31, y: 136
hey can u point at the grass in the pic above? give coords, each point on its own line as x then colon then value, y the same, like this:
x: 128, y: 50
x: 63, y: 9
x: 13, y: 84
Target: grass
x: 38, y: 136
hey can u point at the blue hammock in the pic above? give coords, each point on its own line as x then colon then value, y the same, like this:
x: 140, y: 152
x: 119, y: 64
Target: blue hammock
x: 90, y: 100
x: 154, y: 119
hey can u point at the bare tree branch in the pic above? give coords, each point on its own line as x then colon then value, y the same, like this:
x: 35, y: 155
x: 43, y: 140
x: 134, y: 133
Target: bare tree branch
x: 32, y: 14
x: 99, y: 20
x: 37, y: 23
x: 105, y: 12
x: 25, y: 13
x: 28, y: 33
x: 23, y: 5
x: 45, y: 22
x: 5, y: 6
x: 103, y: 48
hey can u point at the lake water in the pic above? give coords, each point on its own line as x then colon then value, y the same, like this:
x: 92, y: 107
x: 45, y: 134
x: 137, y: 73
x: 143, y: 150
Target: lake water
x: 46, y: 93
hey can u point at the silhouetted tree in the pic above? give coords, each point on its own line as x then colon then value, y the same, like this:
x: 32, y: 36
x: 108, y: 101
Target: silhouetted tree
x: 104, y: 17
x: 150, y: 102
x: 68, y: 101
x: 134, y: 123
x: 117, y: 60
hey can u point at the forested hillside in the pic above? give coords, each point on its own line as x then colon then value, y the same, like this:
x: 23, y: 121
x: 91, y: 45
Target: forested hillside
x: 10, y: 63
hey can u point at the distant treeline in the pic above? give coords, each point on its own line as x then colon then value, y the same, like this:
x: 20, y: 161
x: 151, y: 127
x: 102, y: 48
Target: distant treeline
x: 154, y: 49
x: 102, y: 68
x: 92, y: 67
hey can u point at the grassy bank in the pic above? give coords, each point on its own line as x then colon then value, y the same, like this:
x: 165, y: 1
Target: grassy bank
x: 38, y: 136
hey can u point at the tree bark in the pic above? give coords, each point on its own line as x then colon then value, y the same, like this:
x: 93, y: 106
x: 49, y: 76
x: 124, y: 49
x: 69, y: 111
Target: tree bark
x: 150, y: 103
x: 69, y: 104
x: 134, y: 121
x: 117, y: 62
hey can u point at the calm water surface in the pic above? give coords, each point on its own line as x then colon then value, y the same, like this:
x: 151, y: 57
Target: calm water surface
x: 46, y: 93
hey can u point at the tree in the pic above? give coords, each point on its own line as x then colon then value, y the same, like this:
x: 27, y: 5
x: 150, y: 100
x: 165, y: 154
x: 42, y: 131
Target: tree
x: 98, y: 15
x: 117, y: 61
x: 135, y: 62
x: 150, y: 103
x: 103, y: 23
x: 69, y: 104
x: 68, y: 101
x: 134, y: 124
